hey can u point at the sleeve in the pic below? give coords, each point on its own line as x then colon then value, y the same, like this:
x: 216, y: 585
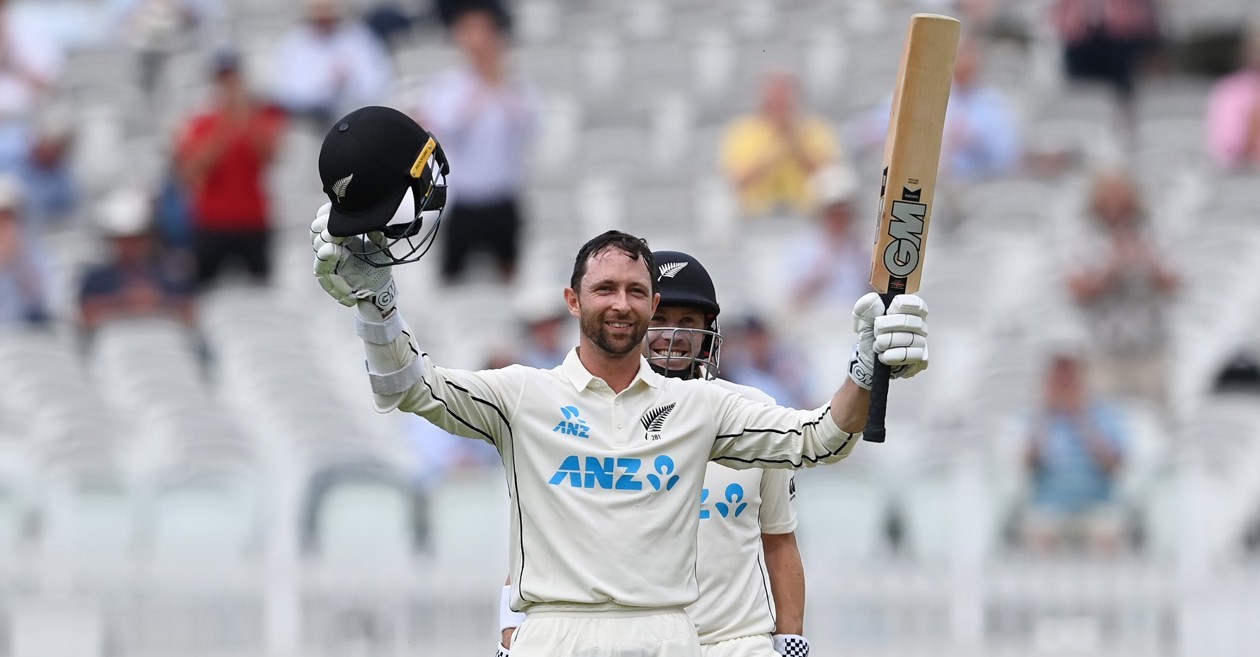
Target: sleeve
x: 374, y: 73
x: 97, y: 283
x: 1226, y: 125
x: 734, y: 158
x: 753, y: 434
x: 778, y: 490
x: 476, y: 405
x: 439, y: 105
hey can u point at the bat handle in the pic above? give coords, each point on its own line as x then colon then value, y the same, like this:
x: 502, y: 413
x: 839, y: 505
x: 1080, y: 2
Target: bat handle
x: 875, y: 431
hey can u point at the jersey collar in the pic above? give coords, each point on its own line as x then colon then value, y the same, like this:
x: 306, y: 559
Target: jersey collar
x: 582, y: 379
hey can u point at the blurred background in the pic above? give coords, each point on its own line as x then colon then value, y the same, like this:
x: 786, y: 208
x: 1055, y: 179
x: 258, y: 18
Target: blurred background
x: 189, y: 461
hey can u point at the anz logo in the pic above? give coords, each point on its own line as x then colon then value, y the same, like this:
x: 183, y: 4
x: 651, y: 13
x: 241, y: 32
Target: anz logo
x: 731, y: 506
x: 611, y: 473
x: 572, y: 425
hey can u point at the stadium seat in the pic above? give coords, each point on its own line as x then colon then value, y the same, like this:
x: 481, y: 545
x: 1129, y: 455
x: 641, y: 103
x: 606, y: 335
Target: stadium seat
x: 469, y: 512
x: 203, y: 515
x: 87, y: 505
x: 365, y: 525
x: 843, y: 515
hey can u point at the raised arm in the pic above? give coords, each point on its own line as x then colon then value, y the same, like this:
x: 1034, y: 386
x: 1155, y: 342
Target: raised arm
x: 470, y: 404
x: 755, y: 435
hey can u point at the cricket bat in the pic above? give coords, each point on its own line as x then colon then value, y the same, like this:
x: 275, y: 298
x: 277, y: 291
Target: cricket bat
x: 912, y: 153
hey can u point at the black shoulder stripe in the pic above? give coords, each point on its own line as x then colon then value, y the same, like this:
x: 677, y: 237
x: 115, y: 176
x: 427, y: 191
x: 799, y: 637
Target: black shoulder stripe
x: 794, y: 464
x: 498, y: 411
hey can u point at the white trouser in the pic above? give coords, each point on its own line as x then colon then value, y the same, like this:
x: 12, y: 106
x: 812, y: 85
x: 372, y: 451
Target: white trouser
x: 606, y: 633
x: 758, y: 645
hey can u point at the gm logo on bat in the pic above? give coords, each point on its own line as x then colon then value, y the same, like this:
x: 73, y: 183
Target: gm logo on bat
x: 901, y: 256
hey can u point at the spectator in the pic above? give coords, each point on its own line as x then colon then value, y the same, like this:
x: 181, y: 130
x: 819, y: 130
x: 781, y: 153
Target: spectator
x: 546, y: 339
x: 29, y: 66
x: 1233, y: 114
x: 223, y: 156
x: 982, y: 131
x: 769, y: 156
x: 1124, y: 285
x: 158, y: 28
x: 330, y: 65
x: 830, y: 265
x: 52, y: 192
x: 1075, y: 451
x: 138, y: 280
x: 485, y: 119
x: 1105, y: 40
x: 24, y: 267
x: 753, y: 356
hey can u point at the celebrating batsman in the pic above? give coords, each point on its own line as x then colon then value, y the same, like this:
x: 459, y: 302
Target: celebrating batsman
x: 752, y: 581
x: 605, y: 458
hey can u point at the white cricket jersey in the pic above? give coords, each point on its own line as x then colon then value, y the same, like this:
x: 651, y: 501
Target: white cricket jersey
x: 736, y: 508
x: 606, y: 487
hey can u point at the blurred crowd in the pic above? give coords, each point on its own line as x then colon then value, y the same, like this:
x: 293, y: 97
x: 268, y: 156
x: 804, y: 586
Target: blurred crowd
x: 208, y: 214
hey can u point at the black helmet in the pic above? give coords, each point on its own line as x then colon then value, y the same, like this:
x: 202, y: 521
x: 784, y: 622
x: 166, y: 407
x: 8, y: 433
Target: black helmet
x: 369, y: 160
x: 683, y: 282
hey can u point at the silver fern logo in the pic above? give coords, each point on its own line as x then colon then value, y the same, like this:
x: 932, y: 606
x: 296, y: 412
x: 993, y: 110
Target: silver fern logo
x: 339, y: 187
x: 671, y: 269
x: 653, y: 421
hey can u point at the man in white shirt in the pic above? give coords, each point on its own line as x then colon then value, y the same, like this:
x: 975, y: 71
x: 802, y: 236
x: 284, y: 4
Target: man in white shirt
x: 486, y: 117
x: 749, y: 570
x: 329, y: 64
x: 605, y: 512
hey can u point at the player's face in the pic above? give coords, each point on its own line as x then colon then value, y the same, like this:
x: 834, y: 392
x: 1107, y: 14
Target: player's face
x: 674, y: 338
x: 615, y: 302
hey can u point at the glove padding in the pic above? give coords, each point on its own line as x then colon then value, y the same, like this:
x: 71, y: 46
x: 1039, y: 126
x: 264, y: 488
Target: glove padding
x: 343, y: 270
x: 899, y: 336
x: 502, y: 652
x: 791, y: 645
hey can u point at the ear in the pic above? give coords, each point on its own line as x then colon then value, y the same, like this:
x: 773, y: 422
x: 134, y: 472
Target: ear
x: 571, y: 300
x: 656, y: 301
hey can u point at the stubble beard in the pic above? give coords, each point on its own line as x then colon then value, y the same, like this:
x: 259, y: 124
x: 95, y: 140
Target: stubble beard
x: 595, y: 331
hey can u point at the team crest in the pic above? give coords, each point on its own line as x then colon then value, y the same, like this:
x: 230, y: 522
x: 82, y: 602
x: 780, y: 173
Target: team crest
x: 671, y: 269
x: 654, y: 421
x: 339, y: 187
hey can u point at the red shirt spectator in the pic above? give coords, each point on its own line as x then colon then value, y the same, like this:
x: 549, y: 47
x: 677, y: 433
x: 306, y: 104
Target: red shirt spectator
x: 223, y: 156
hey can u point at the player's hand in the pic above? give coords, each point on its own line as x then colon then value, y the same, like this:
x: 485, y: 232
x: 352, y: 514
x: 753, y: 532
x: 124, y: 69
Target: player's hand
x: 342, y: 271
x: 898, y: 336
x: 791, y: 645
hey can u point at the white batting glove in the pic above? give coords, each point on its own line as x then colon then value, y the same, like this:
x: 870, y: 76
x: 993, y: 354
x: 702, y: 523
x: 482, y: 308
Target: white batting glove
x: 502, y: 652
x: 344, y: 275
x: 791, y: 645
x: 899, y: 336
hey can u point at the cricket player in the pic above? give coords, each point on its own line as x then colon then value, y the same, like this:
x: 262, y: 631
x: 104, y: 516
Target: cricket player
x: 752, y: 581
x: 604, y: 457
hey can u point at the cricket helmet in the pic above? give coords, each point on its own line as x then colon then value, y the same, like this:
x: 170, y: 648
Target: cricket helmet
x: 384, y: 173
x: 683, y: 282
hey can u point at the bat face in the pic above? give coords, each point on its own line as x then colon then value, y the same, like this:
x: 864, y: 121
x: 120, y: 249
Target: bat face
x: 912, y: 153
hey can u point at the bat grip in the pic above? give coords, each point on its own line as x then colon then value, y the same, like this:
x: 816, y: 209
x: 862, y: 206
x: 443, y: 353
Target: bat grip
x: 875, y: 431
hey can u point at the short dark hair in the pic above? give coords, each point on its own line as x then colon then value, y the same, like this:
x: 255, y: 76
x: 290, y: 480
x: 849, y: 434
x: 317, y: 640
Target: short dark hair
x: 635, y: 247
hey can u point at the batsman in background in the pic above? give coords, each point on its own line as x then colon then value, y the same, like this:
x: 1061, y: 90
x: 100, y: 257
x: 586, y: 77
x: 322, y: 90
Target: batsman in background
x: 604, y: 513
x: 750, y: 605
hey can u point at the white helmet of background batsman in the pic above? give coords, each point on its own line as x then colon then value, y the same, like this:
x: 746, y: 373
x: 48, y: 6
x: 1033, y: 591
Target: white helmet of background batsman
x: 683, y: 282
x: 369, y: 162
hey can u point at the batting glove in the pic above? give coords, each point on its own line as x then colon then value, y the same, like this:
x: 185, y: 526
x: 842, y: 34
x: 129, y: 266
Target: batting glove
x: 502, y: 652
x: 791, y: 645
x: 342, y: 271
x: 899, y: 336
